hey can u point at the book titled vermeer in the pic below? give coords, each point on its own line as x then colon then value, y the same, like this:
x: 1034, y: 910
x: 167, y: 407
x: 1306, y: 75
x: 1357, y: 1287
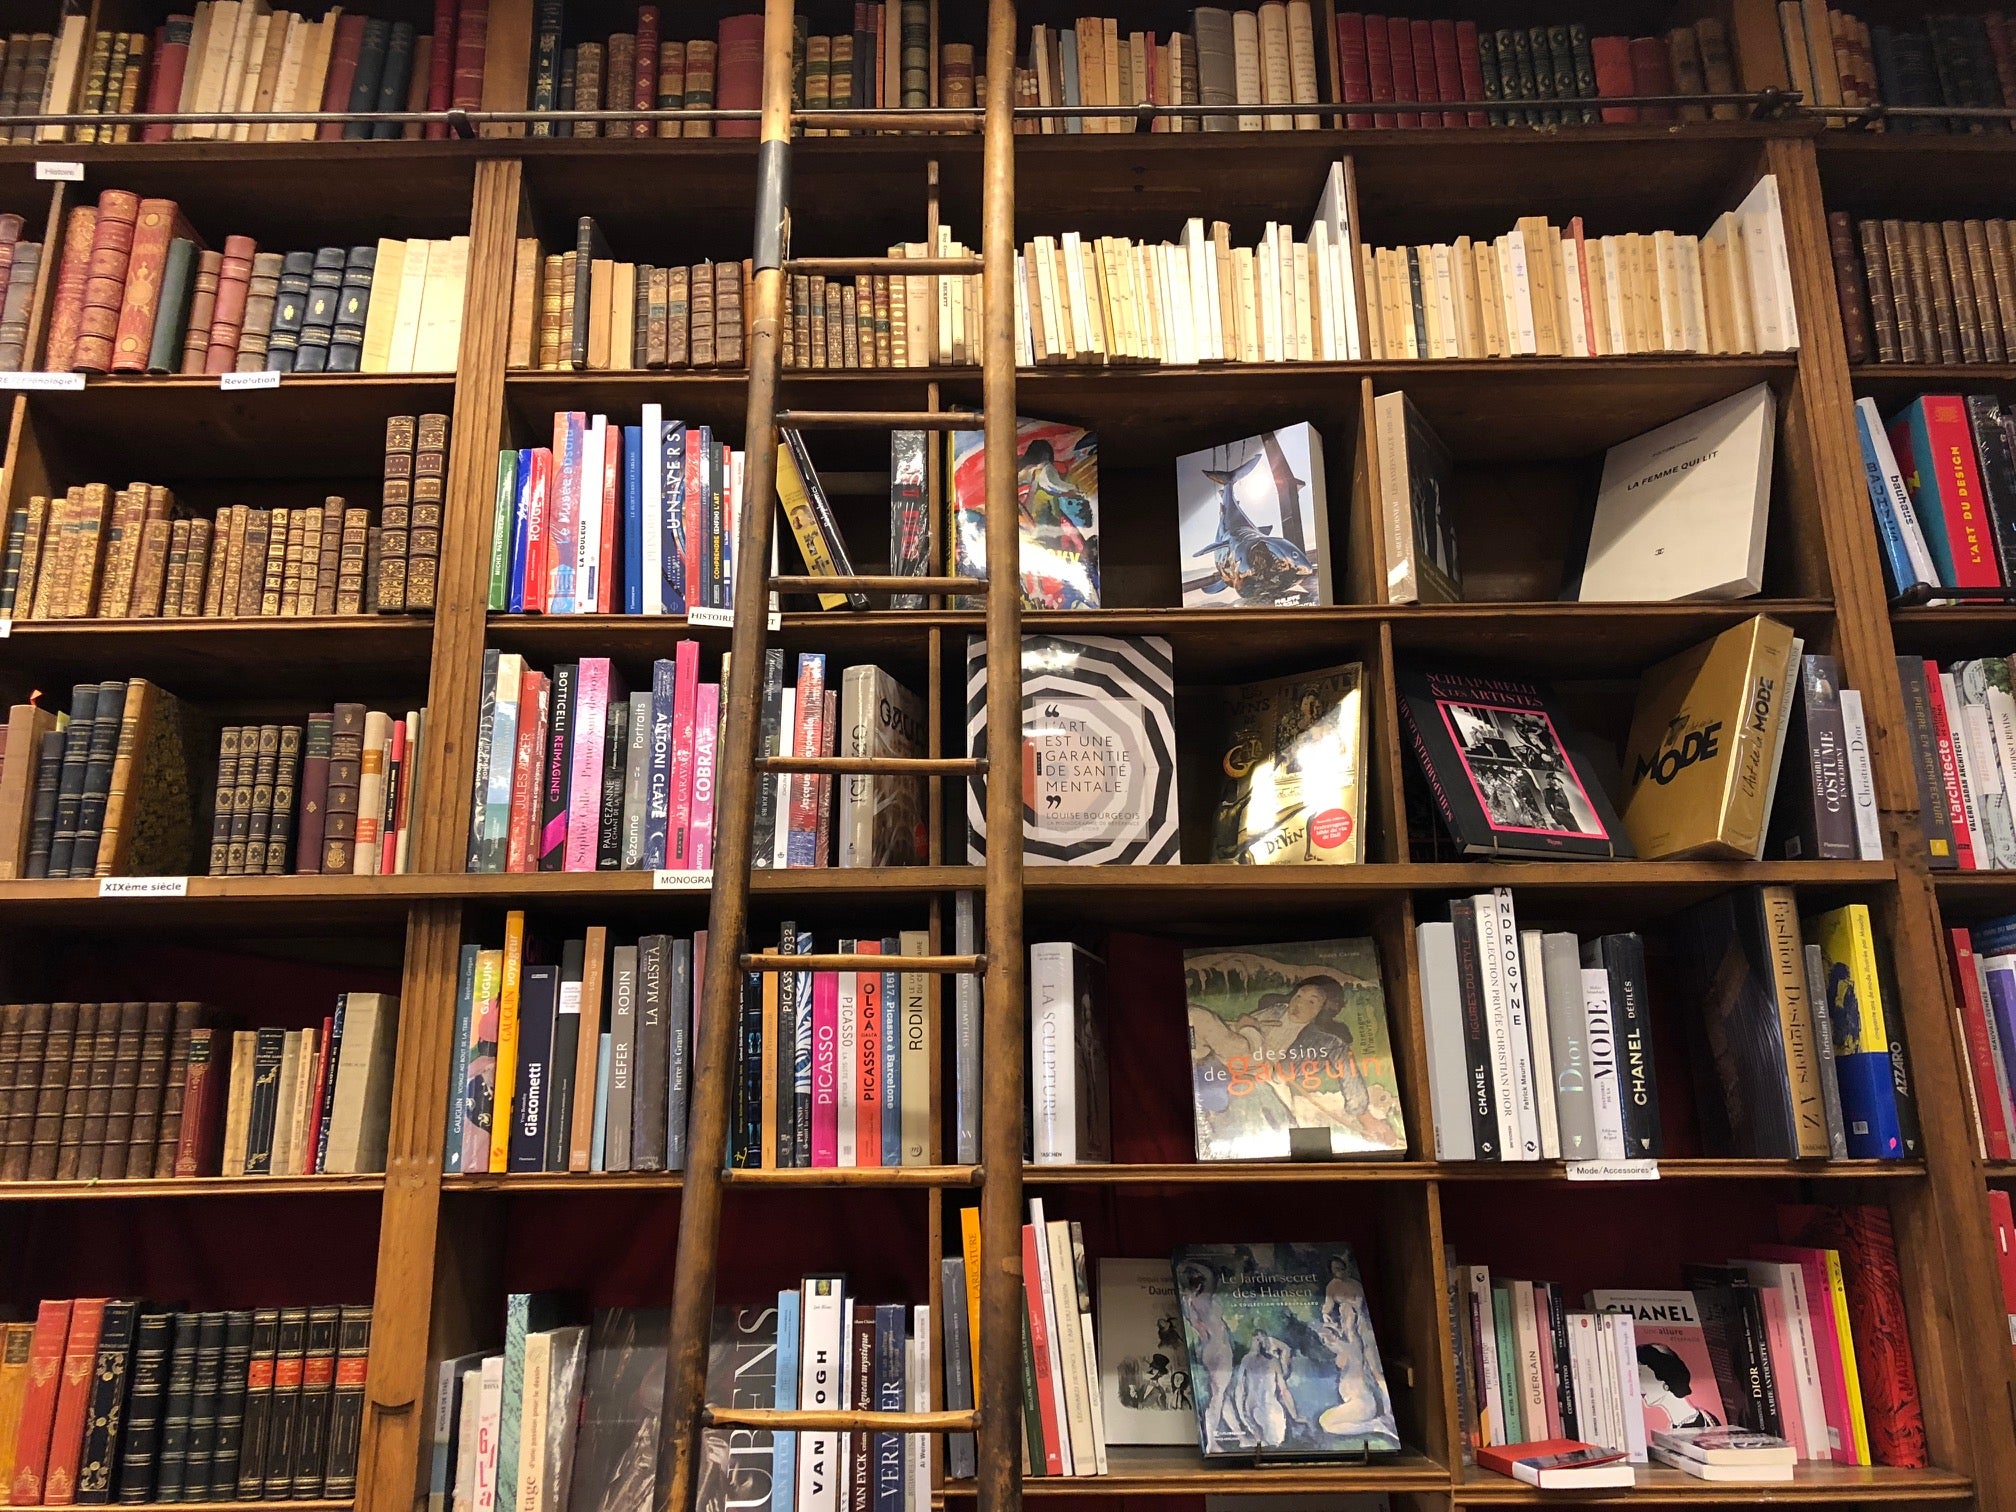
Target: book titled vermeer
x: 1289, y: 1052
x: 1282, y: 1354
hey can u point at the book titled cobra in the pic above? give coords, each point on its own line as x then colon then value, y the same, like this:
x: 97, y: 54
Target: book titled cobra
x: 1098, y: 750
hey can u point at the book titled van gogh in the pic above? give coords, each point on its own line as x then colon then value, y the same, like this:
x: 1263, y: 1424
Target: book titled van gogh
x: 1289, y: 1052
x: 1282, y: 1354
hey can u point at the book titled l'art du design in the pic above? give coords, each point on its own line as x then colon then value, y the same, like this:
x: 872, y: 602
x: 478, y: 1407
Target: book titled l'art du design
x: 1254, y: 522
x: 1057, y: 486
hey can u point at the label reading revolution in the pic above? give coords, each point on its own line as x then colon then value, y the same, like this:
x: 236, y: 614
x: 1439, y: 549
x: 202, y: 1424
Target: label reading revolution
x: 229, y: 381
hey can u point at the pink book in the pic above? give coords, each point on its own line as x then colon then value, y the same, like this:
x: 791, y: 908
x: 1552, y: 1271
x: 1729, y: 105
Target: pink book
x: 395, y: 761
x: 698, y: 506
x: 685, y: 694
x: 1543, y: 1317
x: 532, y: 711
x: 538, y: 514
x: 825, y: 1050
x: 706, y: 728
x: 563, y: 536
x: 612, y: 513
x: 871, y: 1017
x: 1812, y: 1265
x: 1778, y: 1338
x: 584, y: 789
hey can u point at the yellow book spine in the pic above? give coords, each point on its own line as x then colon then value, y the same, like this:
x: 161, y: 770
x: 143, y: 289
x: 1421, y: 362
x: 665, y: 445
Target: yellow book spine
x: 1837, y: 1292
x: 804, y: 529
x: 507, y: 1041
x: 969, y: 1246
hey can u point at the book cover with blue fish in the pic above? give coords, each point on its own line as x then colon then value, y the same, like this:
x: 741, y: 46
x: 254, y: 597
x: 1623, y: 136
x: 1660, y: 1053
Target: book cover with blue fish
x: 1253, y: 520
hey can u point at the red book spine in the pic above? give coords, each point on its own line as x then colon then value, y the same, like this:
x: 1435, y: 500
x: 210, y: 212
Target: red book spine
x: 38, y: 1404
x: 1612, y: 57
x: 1651, y: 74
x: 472, y: 43
x: 441, y: 68
x: 536, y: 509
x: 1353, y: 72
x: 105, y: 281
x: 738, y: 72
x: 80, y: 229
x: 1980, y: 1052
x: 873, y: 1016
x: 2005, y: 1249
x: 612, y: 508
x: 1379, y: 67
x: 142, y: 299
x: 1949, y: 770
x: 227, y: 324
x: 1400, y: 43
x: 519, y: 856
x: 199, y: 1147
x: 1448, y: 68
x: 336, y: 88
x: 644, y: 88
x: 73, y: 1401
x: 1039, y: 1351
x: 1421, y: 41
x: 1471, y: 66
x: 1961, y: 497
x: 164, y: 91
x: 312, y: 1147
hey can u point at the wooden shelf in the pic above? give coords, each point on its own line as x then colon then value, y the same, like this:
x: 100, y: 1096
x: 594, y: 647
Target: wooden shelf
x: 201, y: 656
x: 1293, y: 1173
x: 1174, y: 1470
x: 1879, y: 1485
x: 884, y: 1177
x: 169, y: 1187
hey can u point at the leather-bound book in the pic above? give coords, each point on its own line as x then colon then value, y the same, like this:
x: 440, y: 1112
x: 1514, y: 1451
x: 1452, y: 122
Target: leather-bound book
x: 105, y: 280
x: 202, y: 311
x: 89, y: 1149
x: 23, y: 1027
x: 203, y: 1404
x: 1980, y: 273
x: 346, y: 1412
x: 1683, y: 55
x: 262, y: 1367
x: 354, y: 563
x: 699, y: 95
x: 252, y: 574
x: 202, y: 547
x: 395, y: 512
x: 268, y: 1053
x: 139, y: 1444
x: 122, y: 553
x: 310, y: 1444
x: 42, y: 809
x: 1652, y: 74
x: 299, y: 523
x: 150, y: 824
x: 430, y: 478
x: 344, y: 52
x: 404, y: 85
x: 619, y: 80
x: 644, y: 84
x: 316, y: 745
x: 52, y: 1092
x: 286, y: 787
x: 157, y: 224
x: 346, y: 338
x: 274, y: 577
x: 700, y: 314
x: 234, y: 1360
x: 70, y: 791
x: 38, y: 1404
x: 472, y: 42
x: 29, y: 728
x: 149, y: 1086
x: 290, y: 311
x: 325, y: 287
x: 199, y: 1121
x: 328, y: 554
x: 73, y: 271
x: 1952, y: 241
x: 590, y: 247
x: 234, y: 283
x: 105, y: 1403
x: 185, y: 1019
x: 346, y: 759
x: 73, y: 1400
x: 229, y: 754
x: 1927, y: 251
x: 34, y: 78
x: 728, y: 314
x: 172, y: 1460
x: 657, y: 309
x: 164, y: 549
x: 171, y: 61
x: 555, y: 332
x: 10, y: 78
x: 131, y: 1028
x: 76, y: 1093
x: 441, y: 66
x: 671, y: 84
x: 266, y: 763
x: 238, y: 801
x: 586, y: 91
x: 284, y: 1413
x: 91, y: 807
x: 738, y: 71
x: 262, y: 293
x: 16, y: 303
x: 372, y: 42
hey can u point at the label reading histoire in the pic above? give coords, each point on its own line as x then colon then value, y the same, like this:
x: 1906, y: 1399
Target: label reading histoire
x: 68, y: 172
x: 1613, y: 1170
x: 681, y: 881
x: 43, y: 382
x: 228, y: 381
x: 143, y: 887
x: 724, y: 619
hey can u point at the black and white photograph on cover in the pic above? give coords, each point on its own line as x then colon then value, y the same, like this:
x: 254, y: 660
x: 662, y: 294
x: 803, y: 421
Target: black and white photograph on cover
x: 1519, y: 770
x: 1158, y: 1380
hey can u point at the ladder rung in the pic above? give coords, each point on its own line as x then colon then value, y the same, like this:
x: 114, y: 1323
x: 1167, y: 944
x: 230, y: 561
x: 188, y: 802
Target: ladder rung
x: 942, y: 965
x: 893, y: 766
x: 844, y: 266
x: 878, y: 582
x: 804, y: 1420
x: 927, y: 420
x: 909, y: 119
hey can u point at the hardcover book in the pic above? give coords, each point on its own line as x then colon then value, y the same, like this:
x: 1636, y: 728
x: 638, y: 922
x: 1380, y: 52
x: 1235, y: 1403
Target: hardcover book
x: 1294, y: 774
x: 1500, y: 772
x: 1283, y: 1359
x: 1098, y: 750
x: 881, y: 817
x: 735, y: 1464
x: 1422, y: 566
x: 616, y: 1462
x: 1675, y: 1372
x: 1057, y: 488
x: 1290, y: 1055
x: 1254, y: 522
x: 1144, y: 1381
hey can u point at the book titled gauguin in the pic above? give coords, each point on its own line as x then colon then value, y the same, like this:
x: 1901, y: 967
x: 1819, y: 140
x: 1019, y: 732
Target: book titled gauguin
x: 1494, y: 754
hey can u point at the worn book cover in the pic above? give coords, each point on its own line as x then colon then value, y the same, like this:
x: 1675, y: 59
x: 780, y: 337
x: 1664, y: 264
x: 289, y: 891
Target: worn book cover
x: 1294, y: 765
x: 1283, y: 1359
x: 1253, y: 521
x: 1290, y: 1054
x: 1057, y: 490
x: 616, y: 1460
x: 1144, y: 1375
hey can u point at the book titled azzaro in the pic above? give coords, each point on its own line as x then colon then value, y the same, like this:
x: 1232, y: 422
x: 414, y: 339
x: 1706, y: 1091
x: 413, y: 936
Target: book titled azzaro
x: 1503, y: 778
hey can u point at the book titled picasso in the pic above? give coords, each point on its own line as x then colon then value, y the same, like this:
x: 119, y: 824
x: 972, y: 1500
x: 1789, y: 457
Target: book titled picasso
x: 1282, y: 1354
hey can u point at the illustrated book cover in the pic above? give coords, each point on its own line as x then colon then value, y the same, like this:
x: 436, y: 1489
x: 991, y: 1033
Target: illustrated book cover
x: 1294, y: 771
x: 1675, y: 1371
x: 1254, y: 524
x: 1057, y: 492
x: 1144, y: 1365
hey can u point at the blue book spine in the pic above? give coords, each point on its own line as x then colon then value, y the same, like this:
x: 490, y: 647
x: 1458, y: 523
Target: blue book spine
x: 1896, y: 560
x: 597, y: 1150
x: 538, y: 996
x: 892, y: 1060
x: 890, y: 1388
x: 633, y: 520
x: 1924, y: 485
x: 1869, y: 1105
x: 658, y: 778
x: 784, y: 1445
x: 673, y: 452
x: 521, y: 512
x: 1993, y: 937
x: 465, y: 997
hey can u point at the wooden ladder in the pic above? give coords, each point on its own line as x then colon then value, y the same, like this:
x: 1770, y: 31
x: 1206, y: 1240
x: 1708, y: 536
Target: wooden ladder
x: 998, y: 1383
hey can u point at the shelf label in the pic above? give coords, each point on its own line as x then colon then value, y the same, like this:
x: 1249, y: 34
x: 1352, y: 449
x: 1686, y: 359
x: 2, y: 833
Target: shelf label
x: 1613, y: 1170
x: 681, y: 881
x: 143, y: 887
x: 68, y: 383
x: 229, y: 381
x: 724, y: 619
x: 6, y: 628
x: 72, y: 173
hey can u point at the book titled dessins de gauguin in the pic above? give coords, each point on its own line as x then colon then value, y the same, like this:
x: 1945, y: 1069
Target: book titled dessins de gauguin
x: 1282, y: 1354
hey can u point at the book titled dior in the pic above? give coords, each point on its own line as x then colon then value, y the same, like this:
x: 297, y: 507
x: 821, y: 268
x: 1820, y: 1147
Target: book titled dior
x: 1098, y: 750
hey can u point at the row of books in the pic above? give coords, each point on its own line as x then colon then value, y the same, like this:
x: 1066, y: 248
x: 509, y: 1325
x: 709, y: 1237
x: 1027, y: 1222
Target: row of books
x: 295, y: 1102
x: 1924, y: 291
x: 1382, y: 58
x: 1941, y: 479
x: 1963, y: 739
x: 583, y: 309
x: 1835, y: 58
x: 1804, y: 1340
x: 1983, y: 958
x: 40, y: 68
x: 138, y: 292
x: 20, y: 263
x: 108, y: 1399
x: 1542, y: 290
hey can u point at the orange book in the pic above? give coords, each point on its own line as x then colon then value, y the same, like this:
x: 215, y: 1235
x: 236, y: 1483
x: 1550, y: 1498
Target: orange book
x: 73, y: 1401
x: 38, y: 1406
x: 156, y: 227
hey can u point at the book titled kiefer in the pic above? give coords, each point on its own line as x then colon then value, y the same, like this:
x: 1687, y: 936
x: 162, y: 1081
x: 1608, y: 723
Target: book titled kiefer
x: 1098, y: 750
x: 1254, y: 522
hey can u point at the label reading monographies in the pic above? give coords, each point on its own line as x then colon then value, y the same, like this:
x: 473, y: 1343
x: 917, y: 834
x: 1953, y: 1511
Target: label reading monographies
x: 69, y: 172
x: 230, y: 381
x: 1613, y: 1170
x: 43, y: 382
x: 681, y: 881
x: 143, y: 887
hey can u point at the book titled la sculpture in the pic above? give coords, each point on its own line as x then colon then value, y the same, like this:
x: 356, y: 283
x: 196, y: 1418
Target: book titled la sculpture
x: 1496, y: 761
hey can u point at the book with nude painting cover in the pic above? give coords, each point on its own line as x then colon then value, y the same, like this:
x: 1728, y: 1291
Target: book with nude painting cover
x: 1290, y: 1056
x: 1282, y: 1355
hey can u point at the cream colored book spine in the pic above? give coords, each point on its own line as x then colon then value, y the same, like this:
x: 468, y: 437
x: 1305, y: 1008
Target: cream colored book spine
x: 441, y: 306
x: 287, y: 86
x: 1577, y: 344
x: 1071, y: 250
x: 238, y: 1105
x: 382, y: 314
x: 1375, y: 335
x: 280, y: 34
x: 1445, y: 303
x: 1305, y: 347
x: 244, y: 83
x: 1693, y: 299
x: 1246, y: 67
x: 1276, y: 86
x: 406, y: 318
x: 66, y: 68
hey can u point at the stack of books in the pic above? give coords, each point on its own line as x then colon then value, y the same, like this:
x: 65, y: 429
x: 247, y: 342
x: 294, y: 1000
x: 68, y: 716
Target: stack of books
x: 1834, y: 58
x: 1963, y: 735
x: 292, y: 1102
x: 585, y: 309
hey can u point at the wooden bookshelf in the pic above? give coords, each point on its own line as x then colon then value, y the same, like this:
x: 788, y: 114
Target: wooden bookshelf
x: 437, y: 1253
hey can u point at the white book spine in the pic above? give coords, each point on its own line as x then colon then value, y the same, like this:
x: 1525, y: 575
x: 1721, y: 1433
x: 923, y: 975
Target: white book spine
x: 469, y: 1411
x: 1053, y: 1114
x: 1970, y: 794
x: 1862, y: 775
x: 1991, y: 797
x: 1068, y: 1347
x: 2002, y: 727
x: 1520, y: 295
x: 1497, y: 1029
x: 1576, y: 342
x: 822, y: 1385
x: 1602, y: 1043
x: 1526, y: 1337
x: 1870, y: 418
x: 1097, y: 1395
x: 1608, y: 1410
x: 489, y: 1418
x: 1535, y: 977
x: 1583, y: 1376
x: 917, y: 1380
x: 787, y: 727
x: 652, y: 426
x: 1630, y: 1401
x: 848, y: 1058
x: 1442, y: 1023
x: 1518, y: 1021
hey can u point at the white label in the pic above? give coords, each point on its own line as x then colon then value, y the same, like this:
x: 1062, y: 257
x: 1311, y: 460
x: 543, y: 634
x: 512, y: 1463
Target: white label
x: 681, y: 881
x: 1613, y: 1170
x: 143, y: 887
x: 6, y: 628
x: 711, y: 619
x: 248, y: 381
x: 69, y: 172
x: 51, y: 382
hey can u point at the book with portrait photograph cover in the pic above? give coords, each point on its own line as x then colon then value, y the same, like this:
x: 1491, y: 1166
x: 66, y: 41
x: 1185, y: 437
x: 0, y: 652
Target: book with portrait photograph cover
x: 1282, y: 1355
x: 1290, y: 1057
x: 1495, y: 757
x: 1676, y: 1372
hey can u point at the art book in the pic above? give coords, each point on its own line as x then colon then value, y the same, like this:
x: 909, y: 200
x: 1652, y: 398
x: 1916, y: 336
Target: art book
x: 1282, y: 1354
x: 616, y: 1458
x: 735, y: 1464
x: 1098, y: 750
x: 1289, y: 1052
x: 1057, y: 491
x: 1294, y: 763
x: 1254, y: 522
x: 1144, y: 1365
x: 1675, y: 1372
x: 1500, y: 771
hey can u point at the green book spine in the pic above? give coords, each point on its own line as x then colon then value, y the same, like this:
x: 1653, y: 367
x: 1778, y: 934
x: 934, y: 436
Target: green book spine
x: 1487, y: 60
x: 171, y: 321
x: 500, y: 530
x: 1585, y: 69
x: 1508, y: 1363
x: 1543, y: 71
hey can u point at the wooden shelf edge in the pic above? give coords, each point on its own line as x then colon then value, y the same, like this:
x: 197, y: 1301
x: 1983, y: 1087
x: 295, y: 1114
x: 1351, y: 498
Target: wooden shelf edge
x: 1810, y: 1483
x: 1286, y: 1172
x: 825, y: 1178
x: 188, y: 1186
